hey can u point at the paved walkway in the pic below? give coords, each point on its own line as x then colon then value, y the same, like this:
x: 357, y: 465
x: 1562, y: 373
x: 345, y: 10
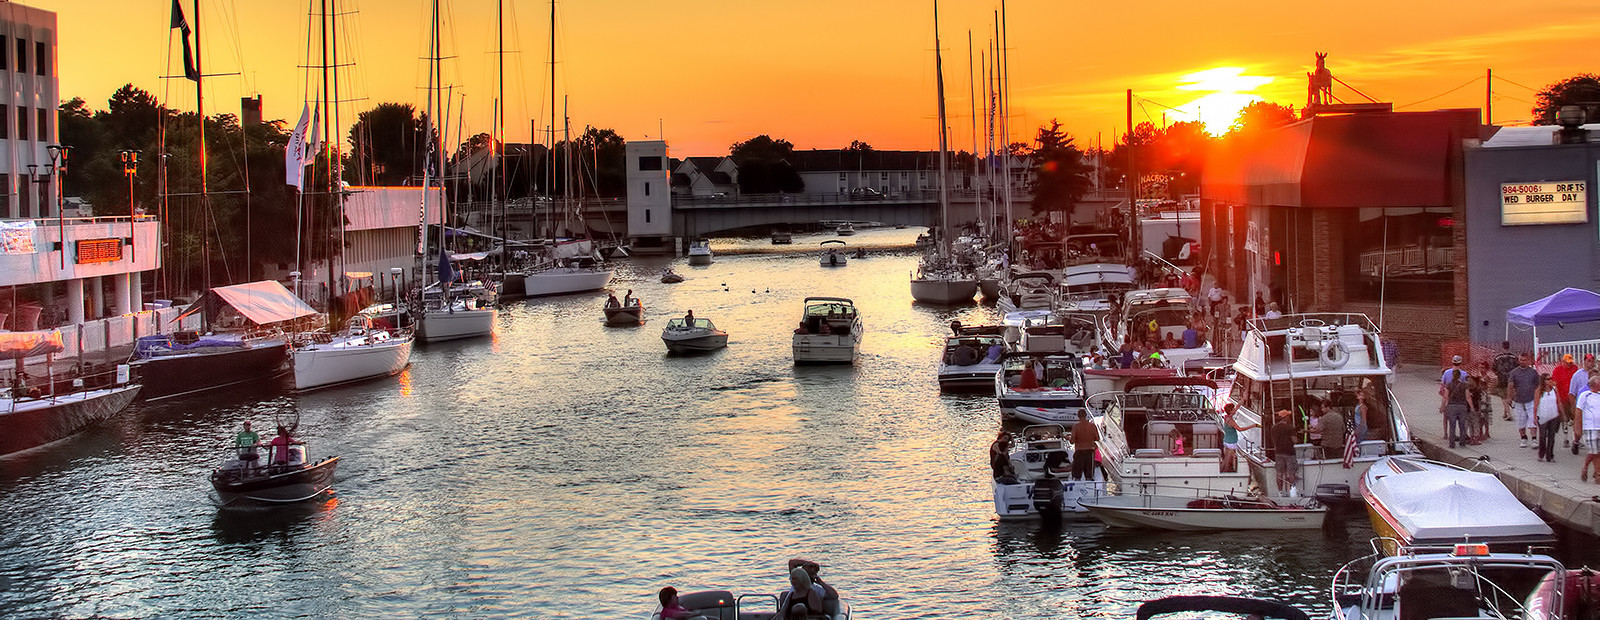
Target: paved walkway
x: 1550, y: 489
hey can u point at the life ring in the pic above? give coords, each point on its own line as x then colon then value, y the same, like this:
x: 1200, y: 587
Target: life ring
x: 1334, y: 354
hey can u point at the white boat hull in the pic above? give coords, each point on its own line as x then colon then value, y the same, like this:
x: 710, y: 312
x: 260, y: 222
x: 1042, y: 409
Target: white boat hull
x: 699, y: 259
x: 1042, y: 415
x: 437, y: 325
x: 837, y: 260
x: 699, y: 343
x: 941, y: 291
x: 564, y: 280
x: 1175, y: 513
x: 826, y: 349
x: 321, y: 365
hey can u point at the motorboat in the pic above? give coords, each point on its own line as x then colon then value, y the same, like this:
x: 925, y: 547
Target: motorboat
x: 630, y: 311
x: 700, y: 252
x: 1225, y: 512
x: 681, y: 336
x: 1190, y: 604
x: 668, y: 276
x: 1033, y: 290
x: 1045, y: 381
x: 1461, y: 580
x: 1165, y: 433
x: 833, y: 254
x: 1417, y: 502
x: 245, y: 342
x: 1046, y: 331
x: 1089, y: 287
x: 1045, y: 449
x: 1160, y: 315
x: 452, y: 312
x: 725, y: 605
x: 272, y: 474
x: 830, y: 332
x: 359, y: 352
x: 940, y: 281
x: 971, y: 360
x: 782, y: 237
x: 32, y: 416
x: 1301, y: 362
x: 845, y: 229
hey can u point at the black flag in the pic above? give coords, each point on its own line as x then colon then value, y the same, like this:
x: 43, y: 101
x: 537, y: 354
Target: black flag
x: 188, y: 54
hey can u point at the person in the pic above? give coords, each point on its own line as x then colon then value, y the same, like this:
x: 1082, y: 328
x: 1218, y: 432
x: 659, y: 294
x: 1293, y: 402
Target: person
x: 1502, y: 365
x: 1547, y: 413
x: 802, y: 593
x: 1176, y: 439
x: 1283, y: 456
x: 1563, y: 376
x: 1125, y: 353
x: 671, y: 609
x: 955, y: 326
x: 628, y: 300
x: 1580, y: 384
x: 1098, y: 362
x: 1333, y: 432
x: 688, y: 319
x: 247, y: 441
x: 1260, y: 305
x: 1455, y: 402
x: 1522, y: 384
x: 1172, y: 342
x: 280, y: 446
x: 1000, y: 456
x: 1216, y: 297
x: 994, y: 353
x: 611, y: 301
x: 966, y: 354
x: 1191, y: 336
x: 1314, y: 425
x: 801, y: 329
x: 1230, y: 436
x: 1084, y: 439
x: 1589, y: 418
x: 1359, y: 424
x: 1272, y: 311
x: 1479, y: 423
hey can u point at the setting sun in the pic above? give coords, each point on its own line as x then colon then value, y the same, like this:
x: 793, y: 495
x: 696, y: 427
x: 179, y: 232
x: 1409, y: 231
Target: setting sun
x: 1229, y: 90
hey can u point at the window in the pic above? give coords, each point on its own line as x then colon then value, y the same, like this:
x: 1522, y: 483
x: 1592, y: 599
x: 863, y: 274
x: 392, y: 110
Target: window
x: 5, y: 194
x: 41, y: 58
x: 883, y: 176
x: 842, y: 177
x: 5, y: 122
x: 44, y: 125
x: 647, y: 189
x: 22, y: 122
x: 647, y: 216
x: 4, y: 61
x: 922, y: 175
x: 22, y: 56
x: 1420, y: 255
x: 24, y: 196
x: 651, y: 162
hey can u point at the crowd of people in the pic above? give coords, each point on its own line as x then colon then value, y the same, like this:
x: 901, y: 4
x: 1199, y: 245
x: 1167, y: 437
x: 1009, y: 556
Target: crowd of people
x: 1542, y: 406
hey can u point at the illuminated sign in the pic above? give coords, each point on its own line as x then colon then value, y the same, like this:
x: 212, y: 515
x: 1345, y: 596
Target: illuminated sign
x: 99, y: 251
x: 1560, y: 202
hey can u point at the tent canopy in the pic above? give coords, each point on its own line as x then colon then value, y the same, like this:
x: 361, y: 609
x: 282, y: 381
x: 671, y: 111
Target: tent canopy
x: 1569, y: 305
x: 263, y: 303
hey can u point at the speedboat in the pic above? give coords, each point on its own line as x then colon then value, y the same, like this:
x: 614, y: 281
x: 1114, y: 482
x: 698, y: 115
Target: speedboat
x: 1034, y: 290
x: 1090, y: 287
x: 1164, y: 433
x: 1044, y: 449
x: 681, y: 337
x: 829, y: 332
x: 245, y: 342
x: 845, y: 229
x: 833, y: 254
x: 284, y: 476
x: 359, y: 352
x: 1049, y: 383
x: 668, y: 276
x: 1414, y: 501
x: 700, y: 252
x: 782, y: 237
x: 34, y: 416
x: 1461, y: 580
x: 630, y: 312
x: 971, y: 360
x: 1161, y: 315
x: 1225, y: 512
x: 724, y: 605
x: 1302, y: 361
x: 463, y: 310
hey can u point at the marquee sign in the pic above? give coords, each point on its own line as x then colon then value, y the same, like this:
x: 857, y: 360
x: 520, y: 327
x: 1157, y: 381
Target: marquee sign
x: 99, y: 251
x: 1557, y: 202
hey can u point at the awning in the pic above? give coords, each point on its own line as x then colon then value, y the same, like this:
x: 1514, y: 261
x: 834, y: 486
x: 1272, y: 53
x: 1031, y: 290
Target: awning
x: 263, y: 303
x: 19, y: 345
x: 1569, y: 305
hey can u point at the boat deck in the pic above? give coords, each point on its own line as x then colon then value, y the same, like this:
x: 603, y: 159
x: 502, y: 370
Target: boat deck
x: 1552, y: 490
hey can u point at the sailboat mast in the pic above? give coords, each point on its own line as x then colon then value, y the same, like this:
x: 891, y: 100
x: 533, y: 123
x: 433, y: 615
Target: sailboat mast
x: 972, y: 108
x: 551, y: 153
x: 200, y: 112
x: 332, y: 183
x: 336, y: 160
x: 497, y: 188
x: 428, y: 134
x: 944, y: 146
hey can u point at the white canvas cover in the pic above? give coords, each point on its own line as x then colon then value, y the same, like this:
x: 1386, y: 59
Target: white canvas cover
x: 1450, y: 505
x: 20, y: 345
x: 264, y: 303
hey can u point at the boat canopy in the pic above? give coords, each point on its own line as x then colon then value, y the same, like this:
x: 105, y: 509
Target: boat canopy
x: 1450, y: 504
x: 263, y: 303
x: 19, y: 345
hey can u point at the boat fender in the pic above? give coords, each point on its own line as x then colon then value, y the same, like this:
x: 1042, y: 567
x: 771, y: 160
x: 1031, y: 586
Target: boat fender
x: 1334, y: 354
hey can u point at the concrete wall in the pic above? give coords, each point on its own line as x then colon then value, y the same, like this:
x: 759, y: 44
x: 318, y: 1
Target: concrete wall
x: 44, y: 263
x: 1508, y: 266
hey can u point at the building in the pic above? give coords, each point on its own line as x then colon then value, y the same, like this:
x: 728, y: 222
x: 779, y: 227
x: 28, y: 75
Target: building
x: 1357, y: 212
x: 704, y: 177
x: 649, y: 192
x: 380, y: 234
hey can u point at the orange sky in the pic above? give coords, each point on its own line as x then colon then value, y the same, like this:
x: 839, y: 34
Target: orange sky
x: 825, y: 72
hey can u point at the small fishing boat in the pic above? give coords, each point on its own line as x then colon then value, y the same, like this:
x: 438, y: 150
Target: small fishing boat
x: 845, y: 229
x: 629, y: 312
x: 1415, y: 501
x: 275, y: 472
x: 681, y: 336
x: 700, y: 252
x: 1225, y: 512
x: 833, y: 254
x: 668, y: 276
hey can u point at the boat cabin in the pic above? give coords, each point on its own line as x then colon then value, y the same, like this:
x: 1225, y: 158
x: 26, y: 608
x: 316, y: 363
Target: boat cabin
x: 828, y: 315
x: 967, y: 350
x: 1168, y: 416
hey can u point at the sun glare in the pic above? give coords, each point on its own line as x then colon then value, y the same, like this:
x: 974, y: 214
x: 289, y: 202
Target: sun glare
x: 1228, y: 91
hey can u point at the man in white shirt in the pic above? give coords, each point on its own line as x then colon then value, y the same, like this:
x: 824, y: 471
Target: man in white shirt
x: 1589, y: 420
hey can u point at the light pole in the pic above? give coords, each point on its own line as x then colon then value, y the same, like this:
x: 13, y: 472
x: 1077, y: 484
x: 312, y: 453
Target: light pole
x: 42, y: 181
x: 130, y: 168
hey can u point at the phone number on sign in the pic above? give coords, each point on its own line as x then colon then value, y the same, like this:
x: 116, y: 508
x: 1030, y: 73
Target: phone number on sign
x: 1545, y: 188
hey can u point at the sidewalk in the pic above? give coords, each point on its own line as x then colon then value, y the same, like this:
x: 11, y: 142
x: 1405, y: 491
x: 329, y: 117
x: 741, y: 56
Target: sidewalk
x: 1550, y: 489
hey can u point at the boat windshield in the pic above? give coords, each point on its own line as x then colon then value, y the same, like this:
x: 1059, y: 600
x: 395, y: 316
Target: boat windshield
x: 698, y: 323
x: 830, y: 310
x: 1169, y: 314
x: 1459, y: 587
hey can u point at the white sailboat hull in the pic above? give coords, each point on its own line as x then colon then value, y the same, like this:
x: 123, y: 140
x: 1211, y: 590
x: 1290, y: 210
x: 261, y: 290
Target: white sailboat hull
x: 321, y: 365
x: 564, y: 280
x: 437, y: 325
x: 944, y: 291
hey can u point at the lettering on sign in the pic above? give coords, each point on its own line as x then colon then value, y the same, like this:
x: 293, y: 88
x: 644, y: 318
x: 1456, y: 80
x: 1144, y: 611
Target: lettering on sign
x: 99, y: 251
x: 1559, y: 202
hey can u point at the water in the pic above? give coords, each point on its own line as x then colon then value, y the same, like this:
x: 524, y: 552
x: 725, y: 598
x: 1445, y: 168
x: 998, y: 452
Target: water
x: 563, y: 469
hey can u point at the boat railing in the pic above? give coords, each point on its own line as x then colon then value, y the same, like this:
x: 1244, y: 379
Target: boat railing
x: 738, y: 602
x: 1312, y: 319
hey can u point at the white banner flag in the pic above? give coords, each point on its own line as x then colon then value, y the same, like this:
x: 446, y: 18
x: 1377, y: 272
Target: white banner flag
x: 294, y: 153
x: 314, y: 148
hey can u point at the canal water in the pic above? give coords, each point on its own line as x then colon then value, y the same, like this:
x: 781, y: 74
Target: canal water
x: 564, y: 469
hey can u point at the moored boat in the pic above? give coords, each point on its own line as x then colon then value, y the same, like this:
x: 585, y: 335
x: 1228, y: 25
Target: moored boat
x: 970, y: 361
x: 1189, y: 513
x: 681, y: 336
x: 829, y: 332
x: 456, y: 312
x: 1052, y: 381
x: 1461, y: 580
x: 1414, y: 501
x: 360, y: 352
x: 1164, y: 433
x: 251, y: 346
x: 1040, y: 481
x: 34, y: 416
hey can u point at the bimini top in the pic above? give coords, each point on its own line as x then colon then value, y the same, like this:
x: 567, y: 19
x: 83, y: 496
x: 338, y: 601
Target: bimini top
x: 1433, y: 503
x: 263, y: 303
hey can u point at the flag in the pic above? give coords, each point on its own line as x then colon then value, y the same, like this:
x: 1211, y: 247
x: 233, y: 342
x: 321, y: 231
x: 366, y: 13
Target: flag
x: 314, y: 139
x: 189, y: 70
x: 1350, y: 450
x: 447, y: 274
x: 294, y: 153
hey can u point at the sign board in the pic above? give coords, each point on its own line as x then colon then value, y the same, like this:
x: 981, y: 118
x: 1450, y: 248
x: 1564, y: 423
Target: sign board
x: 1252, y: 238
x: 99, y: 251
x: 1556, y: 202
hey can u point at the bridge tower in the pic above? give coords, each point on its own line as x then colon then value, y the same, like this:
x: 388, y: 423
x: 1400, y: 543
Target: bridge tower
x: 649, y: 196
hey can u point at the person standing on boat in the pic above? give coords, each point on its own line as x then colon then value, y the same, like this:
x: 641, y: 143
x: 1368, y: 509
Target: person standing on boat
x: 628, y: 300
x: 688, y: 319
x: 281, y: 446
x: 1000, y: 456
x: 1283, y: 456
x: 1333, y: 432
x: 1084, y: 439
x: 246, y: 442
x: 1230, y: 437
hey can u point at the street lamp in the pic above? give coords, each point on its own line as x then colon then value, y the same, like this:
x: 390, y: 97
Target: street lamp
x: 130, y: 168
x: 57, y: 166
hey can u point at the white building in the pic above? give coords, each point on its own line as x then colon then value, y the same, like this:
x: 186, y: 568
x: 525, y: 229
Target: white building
x: 380, y: 234
x: 649, y: 189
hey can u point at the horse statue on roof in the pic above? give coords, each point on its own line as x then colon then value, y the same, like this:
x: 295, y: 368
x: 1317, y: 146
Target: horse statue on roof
x: 1319, y: 89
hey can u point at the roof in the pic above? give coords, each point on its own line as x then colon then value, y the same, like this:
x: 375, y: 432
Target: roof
x: 1537, y: 135
x: 835, y: 160
x: 1568, y: 305
x: 1400, y: 159
x: 264, y: 302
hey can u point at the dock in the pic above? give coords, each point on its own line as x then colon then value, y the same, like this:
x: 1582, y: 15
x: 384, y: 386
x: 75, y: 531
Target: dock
x: 1551, y: 490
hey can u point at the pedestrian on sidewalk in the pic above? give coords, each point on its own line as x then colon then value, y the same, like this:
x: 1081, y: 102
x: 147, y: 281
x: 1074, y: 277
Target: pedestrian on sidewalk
x: 1478, y: 422
x: 1456, y: 402
x: 1589, y: 419
x: 1522, y: 385
x: 1580, y: 384
x: 1502, y: 365
x: 1563, y: 376
x: 1548, y: 413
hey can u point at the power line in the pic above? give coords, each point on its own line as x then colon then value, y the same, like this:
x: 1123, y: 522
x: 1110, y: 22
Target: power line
x: 1468, y: 83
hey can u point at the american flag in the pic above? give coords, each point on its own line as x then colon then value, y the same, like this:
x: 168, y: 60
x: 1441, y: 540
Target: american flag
x: 1350, y: 450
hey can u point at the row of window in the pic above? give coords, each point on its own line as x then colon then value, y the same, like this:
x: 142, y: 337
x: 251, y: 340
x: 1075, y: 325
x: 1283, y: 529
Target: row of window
x: 884, y: 176
x: 41, y: 56
x: 41, y: 130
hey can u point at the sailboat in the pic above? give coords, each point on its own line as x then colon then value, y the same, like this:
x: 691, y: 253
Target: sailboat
x: 450, y: 310
x: 939, y: 280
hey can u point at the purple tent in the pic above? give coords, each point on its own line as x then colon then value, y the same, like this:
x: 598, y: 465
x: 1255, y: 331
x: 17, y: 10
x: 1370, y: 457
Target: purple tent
x: 1569, y: 305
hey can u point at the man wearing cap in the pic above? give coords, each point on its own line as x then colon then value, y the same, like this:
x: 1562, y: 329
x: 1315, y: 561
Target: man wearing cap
x: 1563, y: 376
x: 1522, y: 385
x: 1456, y: 402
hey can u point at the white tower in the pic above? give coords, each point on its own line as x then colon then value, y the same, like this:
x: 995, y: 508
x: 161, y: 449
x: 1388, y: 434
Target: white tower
x: 649, y: 189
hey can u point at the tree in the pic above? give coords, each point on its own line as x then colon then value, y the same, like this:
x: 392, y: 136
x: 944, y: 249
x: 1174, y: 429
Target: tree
x: 1261, y: 116
x: 857, y: 145
x: 1581, y: 90
x: 1060, y: 177
x: 762, y: 147
x: 764, y: 166
x: 388, y: 146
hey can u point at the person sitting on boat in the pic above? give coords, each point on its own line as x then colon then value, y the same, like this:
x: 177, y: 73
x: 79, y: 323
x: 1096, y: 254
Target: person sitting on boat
x: 611, y: 301
x: 283, y: 448
x: 1029, y: 377
x: 1000, y: 456
x: 1191, y: 336
x: 1171, y: 342
x: 993, y: 355
x: 966, y: 354
x: 246, y: 443
x: 830, y: 595
x: 802, y: 328
x: 955, y: 326
x: 802, y: 593
x: 671, y: 609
